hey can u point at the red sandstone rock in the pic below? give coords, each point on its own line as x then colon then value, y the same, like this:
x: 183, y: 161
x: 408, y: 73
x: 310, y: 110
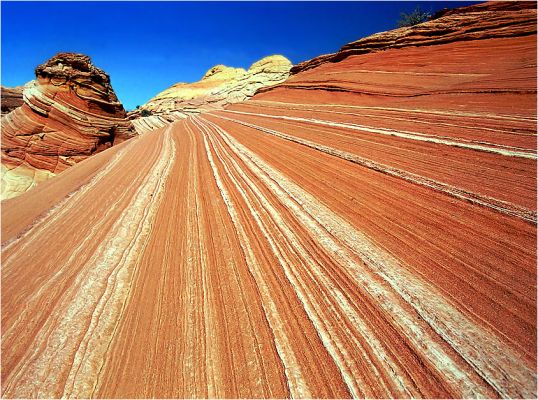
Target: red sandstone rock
x: 11, y: 98
x: 484, y: 21
x: 367, y: 229
x: 69, y: 113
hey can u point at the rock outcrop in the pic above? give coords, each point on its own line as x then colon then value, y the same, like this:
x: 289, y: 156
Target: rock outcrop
x: 11, y: 98
x: 366, y: 229
x: 70, y: 112
x: 483, y: 21
x: 220, y: 86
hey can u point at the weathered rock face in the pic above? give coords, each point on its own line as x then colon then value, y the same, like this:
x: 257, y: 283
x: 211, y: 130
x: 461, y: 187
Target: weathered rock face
x: 220, y: 86
x: 11, y: 98
x: 70, y: 112
x: 483, y: 21
x: 366, y: 229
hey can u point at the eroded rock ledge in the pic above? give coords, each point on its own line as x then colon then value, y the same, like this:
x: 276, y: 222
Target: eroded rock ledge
x: 69, y: 112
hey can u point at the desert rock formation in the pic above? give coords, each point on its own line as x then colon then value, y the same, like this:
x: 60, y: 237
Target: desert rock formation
x: 220, y: 86
x: 365, y: 229
x: 494, y: 19
x: 11, y: 98
x: 70, y: 112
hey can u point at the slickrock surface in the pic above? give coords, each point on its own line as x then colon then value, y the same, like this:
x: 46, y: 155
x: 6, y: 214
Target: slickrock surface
x: 11, y: 98
x: 483, y: 21
x: 366, y: 229
x: 69, y: 113
x: 220, y: 86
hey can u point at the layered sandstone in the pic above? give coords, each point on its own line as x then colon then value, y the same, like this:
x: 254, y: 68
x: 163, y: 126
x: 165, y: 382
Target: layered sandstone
x: 11, y: 98
x: 220, y: 86
x: 70, y: 112
x: 366, y: 229
x: 483, y: 21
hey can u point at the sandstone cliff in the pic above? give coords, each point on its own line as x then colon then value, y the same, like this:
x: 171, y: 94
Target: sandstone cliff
x: 220, y: 86
x: 366, y: 229
x: 11, y: 98
x: 70, y: 112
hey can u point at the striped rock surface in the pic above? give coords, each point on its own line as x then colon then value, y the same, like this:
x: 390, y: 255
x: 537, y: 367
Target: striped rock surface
x: 373, y: 235
x: 70, y: 112
x: 493, y: 19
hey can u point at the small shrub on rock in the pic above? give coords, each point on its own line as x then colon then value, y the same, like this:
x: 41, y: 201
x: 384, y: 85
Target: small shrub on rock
x: 417, y: 16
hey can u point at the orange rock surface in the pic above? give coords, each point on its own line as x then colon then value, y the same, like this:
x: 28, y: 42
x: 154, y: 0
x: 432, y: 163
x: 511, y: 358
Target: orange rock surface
x: 488, y: 20
x: 69, y: 113
x: 365, y: 229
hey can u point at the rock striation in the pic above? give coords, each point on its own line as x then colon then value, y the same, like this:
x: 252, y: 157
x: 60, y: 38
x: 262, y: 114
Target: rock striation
x: 476, y: 22
x: 11, y: 98
x: 366, y: 229
x: 69, y: 112
x: 220, y: 86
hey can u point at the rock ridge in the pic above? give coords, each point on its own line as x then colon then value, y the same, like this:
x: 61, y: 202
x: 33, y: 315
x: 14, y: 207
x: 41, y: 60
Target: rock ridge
x: 220, y: 86
x: 482, y: 21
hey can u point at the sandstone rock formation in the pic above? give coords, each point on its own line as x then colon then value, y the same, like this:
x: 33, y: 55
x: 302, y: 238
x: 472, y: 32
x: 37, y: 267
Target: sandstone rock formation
x: 484, y: 21
x: 69, y: 113
x: 366, y: 229
x: 11, y: 98
x: 220, y: 86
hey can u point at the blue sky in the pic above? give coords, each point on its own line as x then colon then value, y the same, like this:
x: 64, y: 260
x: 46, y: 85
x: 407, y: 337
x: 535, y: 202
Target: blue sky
x: 146, y: 47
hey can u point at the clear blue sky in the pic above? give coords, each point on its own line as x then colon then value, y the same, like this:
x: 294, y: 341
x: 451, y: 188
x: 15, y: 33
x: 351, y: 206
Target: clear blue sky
x: 146, y: 47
